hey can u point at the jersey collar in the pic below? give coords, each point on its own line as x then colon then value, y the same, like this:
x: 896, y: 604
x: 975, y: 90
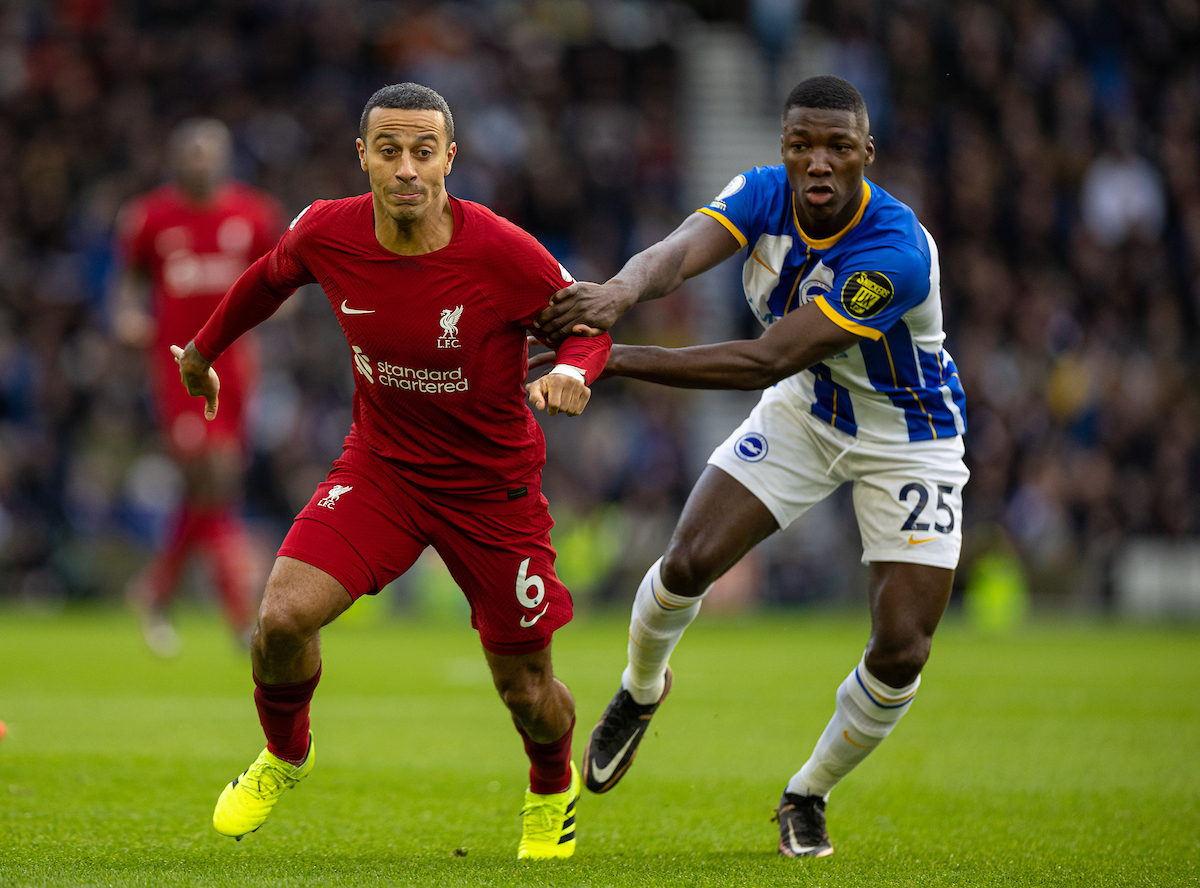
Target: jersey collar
x: 825, y: 243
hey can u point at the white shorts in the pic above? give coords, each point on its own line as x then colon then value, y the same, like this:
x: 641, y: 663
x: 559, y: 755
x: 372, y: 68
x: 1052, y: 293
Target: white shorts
x: 908, y: 497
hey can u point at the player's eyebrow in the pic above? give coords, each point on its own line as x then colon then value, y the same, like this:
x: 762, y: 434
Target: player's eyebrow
x: 833, y: 132
x: 393, y: 137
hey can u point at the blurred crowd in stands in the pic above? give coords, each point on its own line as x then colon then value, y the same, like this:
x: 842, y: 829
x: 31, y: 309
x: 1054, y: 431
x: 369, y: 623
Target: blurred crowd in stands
x: 1051, y: 147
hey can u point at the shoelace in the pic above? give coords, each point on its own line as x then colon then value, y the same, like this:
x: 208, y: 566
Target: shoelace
x: 810, y: 831
x: 629, y: 709
x: 539, y: 821
x: 260, y: 774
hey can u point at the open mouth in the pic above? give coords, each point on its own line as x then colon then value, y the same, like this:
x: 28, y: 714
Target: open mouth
x: 819, y: 194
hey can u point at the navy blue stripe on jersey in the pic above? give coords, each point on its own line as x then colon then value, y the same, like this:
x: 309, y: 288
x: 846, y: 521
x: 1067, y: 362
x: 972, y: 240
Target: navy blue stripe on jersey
x: 831, y: 401
x: 939, y: 370
x: 891, y: 359
x: 783, y: 298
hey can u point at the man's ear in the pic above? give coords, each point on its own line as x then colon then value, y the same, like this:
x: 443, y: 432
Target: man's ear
x: 450, y: 153
x: 362, y: 153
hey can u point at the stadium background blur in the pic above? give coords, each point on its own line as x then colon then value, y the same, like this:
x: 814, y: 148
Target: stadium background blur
x: 1050, y: 146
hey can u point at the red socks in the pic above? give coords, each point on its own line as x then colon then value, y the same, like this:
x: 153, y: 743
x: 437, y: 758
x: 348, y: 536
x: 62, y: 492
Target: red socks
x: 549, y: 763
x: 221, y: 536
x: 283, y: 713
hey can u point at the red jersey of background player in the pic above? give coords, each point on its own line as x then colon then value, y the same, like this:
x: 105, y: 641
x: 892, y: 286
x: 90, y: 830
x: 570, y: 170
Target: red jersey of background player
x: 438, y: 340
x: 193, y: 253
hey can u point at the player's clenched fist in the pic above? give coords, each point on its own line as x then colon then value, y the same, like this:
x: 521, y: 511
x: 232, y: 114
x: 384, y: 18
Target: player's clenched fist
x: 559, y: 393
x: 199, y: 377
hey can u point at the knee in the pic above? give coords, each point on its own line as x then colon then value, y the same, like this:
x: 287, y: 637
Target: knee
x: 684, y: 571
x: 282, y: 623
x: 524, y: 690
x: 897, y: 661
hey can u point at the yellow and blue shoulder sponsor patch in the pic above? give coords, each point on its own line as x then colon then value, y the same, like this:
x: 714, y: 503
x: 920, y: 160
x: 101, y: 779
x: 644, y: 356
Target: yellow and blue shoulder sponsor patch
x: 867, y: 293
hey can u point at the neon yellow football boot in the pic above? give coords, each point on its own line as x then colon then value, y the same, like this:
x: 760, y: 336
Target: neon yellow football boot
x: 548, y: 823
x: 245, y: 803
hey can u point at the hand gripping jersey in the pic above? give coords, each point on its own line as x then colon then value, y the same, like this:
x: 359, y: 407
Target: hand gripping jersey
x: 437, y: 341
x: 879, y: 278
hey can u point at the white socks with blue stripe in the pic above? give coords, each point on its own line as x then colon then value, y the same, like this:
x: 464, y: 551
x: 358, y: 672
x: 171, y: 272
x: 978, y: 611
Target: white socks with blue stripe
x: 655, y: 627
x: 866, y: 712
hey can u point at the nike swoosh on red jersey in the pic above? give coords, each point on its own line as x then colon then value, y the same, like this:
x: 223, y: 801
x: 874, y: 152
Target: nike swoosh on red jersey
x: 356, y: 311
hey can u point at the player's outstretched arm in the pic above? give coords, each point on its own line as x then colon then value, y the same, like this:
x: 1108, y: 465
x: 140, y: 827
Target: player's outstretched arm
x: 199, y: 377
x: 587, y: 309
x: 793, y: 343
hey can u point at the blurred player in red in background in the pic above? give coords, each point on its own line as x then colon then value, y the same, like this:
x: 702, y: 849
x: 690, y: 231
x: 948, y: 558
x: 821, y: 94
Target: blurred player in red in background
x: 434, y: 295
x: 184, y: 245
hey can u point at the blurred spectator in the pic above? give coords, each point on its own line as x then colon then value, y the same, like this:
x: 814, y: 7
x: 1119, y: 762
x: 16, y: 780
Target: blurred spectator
x: 1123, y: 194
x: 183, y: 246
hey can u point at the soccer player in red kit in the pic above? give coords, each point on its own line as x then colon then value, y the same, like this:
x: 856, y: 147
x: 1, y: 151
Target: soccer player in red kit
x: 433, y: 295
x: 184, y: 245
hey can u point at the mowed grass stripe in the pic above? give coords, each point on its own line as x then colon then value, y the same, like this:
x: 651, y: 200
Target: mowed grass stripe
x: 1064, y: 755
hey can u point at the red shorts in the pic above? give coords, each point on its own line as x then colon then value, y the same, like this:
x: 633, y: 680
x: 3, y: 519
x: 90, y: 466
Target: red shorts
x: 181, y: 416
x: 366, y: 525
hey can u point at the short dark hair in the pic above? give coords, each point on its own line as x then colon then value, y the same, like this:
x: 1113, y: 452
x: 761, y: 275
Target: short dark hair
x: 407, y: 97
x: 830, y: 93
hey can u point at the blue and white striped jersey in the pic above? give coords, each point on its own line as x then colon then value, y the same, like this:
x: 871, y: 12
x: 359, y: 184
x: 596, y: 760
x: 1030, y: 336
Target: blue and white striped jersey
x: 878, y: 277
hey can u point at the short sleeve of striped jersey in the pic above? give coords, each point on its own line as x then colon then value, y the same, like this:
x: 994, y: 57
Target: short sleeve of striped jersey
x: 739, y: 206
x: 875, y: 289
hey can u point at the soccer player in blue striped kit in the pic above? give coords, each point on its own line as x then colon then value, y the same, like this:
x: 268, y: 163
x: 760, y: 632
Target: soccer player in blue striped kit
x: 858, y: 388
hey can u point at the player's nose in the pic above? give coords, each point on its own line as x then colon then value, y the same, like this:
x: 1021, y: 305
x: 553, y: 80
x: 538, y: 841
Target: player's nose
x: 819, y: 165
x: 406, y: 170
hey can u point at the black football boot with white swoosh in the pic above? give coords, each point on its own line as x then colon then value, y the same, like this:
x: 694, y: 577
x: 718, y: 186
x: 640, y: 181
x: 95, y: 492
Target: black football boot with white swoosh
x: 802, y: 826
x: 614, y: 741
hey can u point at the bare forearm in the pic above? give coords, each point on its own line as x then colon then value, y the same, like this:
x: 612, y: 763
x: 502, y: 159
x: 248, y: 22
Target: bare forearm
x: 654, y: 272
x: 728, y: 365
x: 695, y: 246
x: 789, y: 346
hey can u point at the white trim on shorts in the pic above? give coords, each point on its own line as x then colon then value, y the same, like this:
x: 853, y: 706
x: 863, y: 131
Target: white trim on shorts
x: 790, y: 461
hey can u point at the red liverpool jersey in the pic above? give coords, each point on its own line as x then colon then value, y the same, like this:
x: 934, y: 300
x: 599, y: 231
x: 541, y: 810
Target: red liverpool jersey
x: 193, y: 253
x: 438, y: 340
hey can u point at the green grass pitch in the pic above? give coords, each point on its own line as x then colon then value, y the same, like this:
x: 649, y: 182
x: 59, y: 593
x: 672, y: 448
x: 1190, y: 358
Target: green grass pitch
x: 1061, y: 755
